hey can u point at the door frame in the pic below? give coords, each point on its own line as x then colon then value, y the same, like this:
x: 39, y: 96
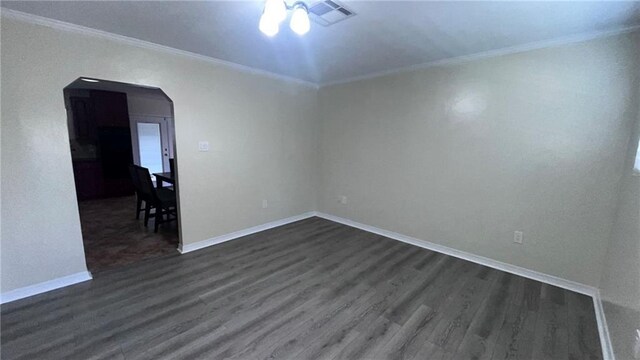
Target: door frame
x: 166, y: 136
x: 171, y: 135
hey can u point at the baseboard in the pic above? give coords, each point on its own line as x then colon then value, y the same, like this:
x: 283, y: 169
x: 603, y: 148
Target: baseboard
x: 43, y: 287
x: 183, y: 249
x: 513, y: 269
x: 603, y: 329
x: 605, y: 340
x: 46, y: 286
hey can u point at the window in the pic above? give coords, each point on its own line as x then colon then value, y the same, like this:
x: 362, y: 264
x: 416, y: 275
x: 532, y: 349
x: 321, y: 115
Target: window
x: 150, y: 145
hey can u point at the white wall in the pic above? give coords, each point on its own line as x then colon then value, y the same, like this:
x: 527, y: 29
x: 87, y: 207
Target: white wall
x: 463, y: 155
x: 261, y: 132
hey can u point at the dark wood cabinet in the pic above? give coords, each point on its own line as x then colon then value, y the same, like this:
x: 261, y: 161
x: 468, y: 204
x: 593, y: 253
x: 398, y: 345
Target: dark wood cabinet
x: 88, y: 177
x: 84, y: 125
x: 110, y: 108
x: 101, y: 122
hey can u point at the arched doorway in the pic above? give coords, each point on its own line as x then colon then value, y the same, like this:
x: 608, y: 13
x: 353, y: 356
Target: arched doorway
x: 122, y: 140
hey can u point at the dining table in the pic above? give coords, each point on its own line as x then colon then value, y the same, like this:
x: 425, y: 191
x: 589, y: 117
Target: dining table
x: 164, y: 177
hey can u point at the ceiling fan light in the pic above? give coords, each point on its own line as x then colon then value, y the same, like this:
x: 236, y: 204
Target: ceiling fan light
x: 300, y: 23
x: 276, y: 9
x: 268, y: 25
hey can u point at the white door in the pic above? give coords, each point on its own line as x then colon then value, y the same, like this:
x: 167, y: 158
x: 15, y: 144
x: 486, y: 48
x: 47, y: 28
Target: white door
x: 151, y: 142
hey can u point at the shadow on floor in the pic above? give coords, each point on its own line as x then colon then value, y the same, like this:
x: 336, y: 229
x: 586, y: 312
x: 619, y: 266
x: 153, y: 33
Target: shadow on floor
x: 114, y: 238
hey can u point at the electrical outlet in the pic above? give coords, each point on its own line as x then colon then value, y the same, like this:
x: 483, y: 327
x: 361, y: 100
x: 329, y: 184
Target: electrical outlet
x: 203, y: 146
x: 265, y: 204
x: 636, y: 346
x: 518, y: 237
x: 343, y: 200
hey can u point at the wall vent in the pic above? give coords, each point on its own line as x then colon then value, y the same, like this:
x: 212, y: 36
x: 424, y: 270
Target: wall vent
x: 329, y: 12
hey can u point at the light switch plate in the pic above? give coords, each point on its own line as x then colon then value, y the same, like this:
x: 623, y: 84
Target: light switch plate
x: 518, y: 237
x: 203, y: 146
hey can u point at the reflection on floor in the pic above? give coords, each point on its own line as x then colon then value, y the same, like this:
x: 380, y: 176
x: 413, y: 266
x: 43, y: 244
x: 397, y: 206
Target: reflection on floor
x: 113, y: 237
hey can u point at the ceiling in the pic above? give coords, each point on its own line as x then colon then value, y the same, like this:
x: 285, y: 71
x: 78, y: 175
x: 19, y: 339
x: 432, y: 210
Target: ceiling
x: 383, y: 36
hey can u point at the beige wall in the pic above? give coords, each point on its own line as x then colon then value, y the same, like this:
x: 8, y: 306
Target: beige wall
x: 620, y: 284
x: 262, y: 144
x: 464, y: 155
x: 459, y: 155
x: 621, y: 279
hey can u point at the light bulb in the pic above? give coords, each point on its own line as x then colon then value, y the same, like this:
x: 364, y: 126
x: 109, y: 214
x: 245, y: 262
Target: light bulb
x: 268, y: 25
x: 300, y: 23
x: 276, y: 9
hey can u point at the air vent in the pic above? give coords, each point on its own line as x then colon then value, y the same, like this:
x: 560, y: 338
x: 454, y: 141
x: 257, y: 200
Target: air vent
x: 329, y: 12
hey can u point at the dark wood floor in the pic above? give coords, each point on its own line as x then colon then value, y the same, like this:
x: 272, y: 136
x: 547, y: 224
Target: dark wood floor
x: 308, y: 290
x: 113, y: 237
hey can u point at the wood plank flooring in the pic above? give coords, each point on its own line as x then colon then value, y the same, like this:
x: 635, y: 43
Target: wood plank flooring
x: 313, y: 289
x: 113, y: 237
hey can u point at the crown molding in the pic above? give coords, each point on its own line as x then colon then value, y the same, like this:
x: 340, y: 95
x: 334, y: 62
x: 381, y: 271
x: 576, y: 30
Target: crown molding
x: 69, y: 27
x: 538, y: 45
x: 83, y: 30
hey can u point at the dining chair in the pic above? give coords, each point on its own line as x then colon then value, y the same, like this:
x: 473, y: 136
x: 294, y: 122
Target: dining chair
x: 172, y: 167
x: 136, y: 187
x: 162, y: 200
